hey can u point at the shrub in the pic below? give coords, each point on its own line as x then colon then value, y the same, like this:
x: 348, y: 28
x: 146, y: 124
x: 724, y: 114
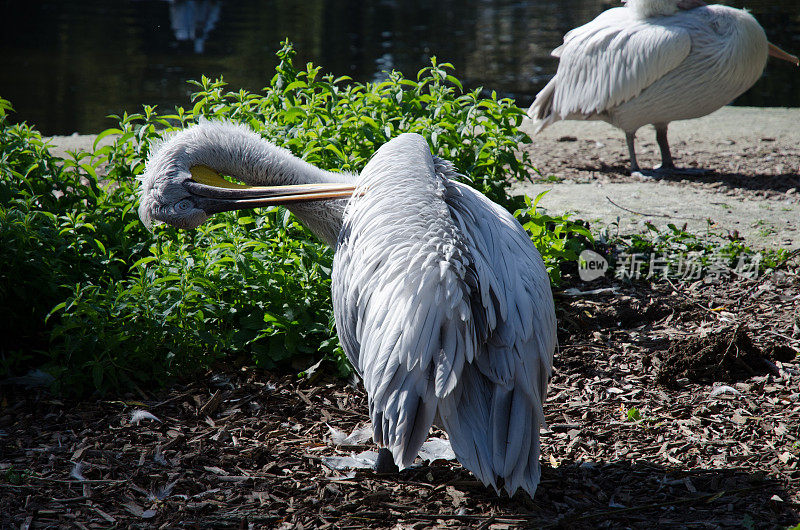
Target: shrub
x: 57, y: 228
x: 105, y: 305
x: 559, y: 239
x: 337, y: 124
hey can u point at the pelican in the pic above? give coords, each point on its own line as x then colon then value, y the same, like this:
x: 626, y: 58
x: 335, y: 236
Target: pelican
x: 653, y: 62
x: 442, y: 303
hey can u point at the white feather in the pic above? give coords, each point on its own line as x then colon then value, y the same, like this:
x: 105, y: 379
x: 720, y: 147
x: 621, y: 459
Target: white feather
x: 139, y: 415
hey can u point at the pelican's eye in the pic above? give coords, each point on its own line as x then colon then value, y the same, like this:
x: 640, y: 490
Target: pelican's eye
x: 184, y: 205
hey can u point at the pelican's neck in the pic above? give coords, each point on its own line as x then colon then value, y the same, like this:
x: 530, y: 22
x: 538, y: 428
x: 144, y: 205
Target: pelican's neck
x: 238, y: 152
x: 652, y: 8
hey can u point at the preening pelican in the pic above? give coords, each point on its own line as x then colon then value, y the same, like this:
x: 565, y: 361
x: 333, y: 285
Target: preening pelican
x: 442, y: 303
x: 653, y: 62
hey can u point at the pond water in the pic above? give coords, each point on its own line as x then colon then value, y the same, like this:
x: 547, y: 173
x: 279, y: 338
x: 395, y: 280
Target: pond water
x: 67, y: 64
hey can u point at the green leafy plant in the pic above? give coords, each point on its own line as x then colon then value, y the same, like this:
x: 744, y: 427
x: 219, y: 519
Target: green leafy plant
x: 15, y: 477
x: 709, y: 252
x: 633, y: 414
x: 559, y: 239
x: 335, y: 123
x: 58, y: 227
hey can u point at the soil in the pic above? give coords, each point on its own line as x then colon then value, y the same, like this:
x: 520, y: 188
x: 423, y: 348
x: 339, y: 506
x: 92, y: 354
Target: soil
x: 671, y: 405
x: 728, y: 356
x: 712, y: 441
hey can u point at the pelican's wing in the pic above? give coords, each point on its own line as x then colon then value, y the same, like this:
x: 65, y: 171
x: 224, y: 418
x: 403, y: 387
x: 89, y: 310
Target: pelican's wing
x: 401, y: 293
x: 493, y: 417
x: 607, y: 62
x: 443, y: 305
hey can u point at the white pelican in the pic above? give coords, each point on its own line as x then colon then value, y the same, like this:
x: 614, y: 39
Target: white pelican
x: 653, y: 62
x: 442, y: 303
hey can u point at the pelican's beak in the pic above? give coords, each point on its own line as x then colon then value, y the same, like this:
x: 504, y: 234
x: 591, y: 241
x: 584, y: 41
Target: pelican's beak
x: 780, y: 54
x: 213, y: 194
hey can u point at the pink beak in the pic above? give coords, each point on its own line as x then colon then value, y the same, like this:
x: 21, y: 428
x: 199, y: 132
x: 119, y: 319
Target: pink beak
x: 780, y: 54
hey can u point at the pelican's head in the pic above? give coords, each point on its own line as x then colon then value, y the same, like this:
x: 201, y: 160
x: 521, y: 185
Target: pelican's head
x: 660, y: 8
x: 178, y: 186
x: 162, y: 193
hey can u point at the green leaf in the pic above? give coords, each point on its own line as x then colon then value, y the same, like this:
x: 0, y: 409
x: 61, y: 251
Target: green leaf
x: 143, y: 261
x: 103, y: 134
x: 372, y: 123
x: 292, y: 114
x: 455, y: 81
x: 294, y: 85
x: 336, y: 150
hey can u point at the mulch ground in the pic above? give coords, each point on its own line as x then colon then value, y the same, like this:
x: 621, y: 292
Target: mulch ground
x: 671, y: 406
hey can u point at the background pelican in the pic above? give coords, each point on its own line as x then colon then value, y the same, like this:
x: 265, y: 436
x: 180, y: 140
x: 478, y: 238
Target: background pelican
x: 442, y: 303
x: 653, y: 62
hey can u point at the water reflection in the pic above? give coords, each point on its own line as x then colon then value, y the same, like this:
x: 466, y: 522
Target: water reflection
x: 68, y: 64
x: 193, y: 21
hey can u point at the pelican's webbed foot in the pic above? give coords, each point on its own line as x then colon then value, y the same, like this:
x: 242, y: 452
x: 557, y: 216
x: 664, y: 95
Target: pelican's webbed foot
x: 670, y: 171
x: 686, y: 171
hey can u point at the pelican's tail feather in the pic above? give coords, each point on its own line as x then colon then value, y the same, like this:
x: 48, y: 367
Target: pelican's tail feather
x: 541, y: 111
x: 494, y: 431
x: 402, y: 418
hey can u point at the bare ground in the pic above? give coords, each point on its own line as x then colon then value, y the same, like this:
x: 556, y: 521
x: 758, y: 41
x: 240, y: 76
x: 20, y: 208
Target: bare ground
x: 752, y: 190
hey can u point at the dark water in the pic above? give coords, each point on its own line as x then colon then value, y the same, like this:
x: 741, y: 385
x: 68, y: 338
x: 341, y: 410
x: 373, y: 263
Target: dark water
x: 66, y: 64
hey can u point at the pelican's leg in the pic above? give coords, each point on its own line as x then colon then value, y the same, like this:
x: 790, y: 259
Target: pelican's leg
x: 667, y: 165
x: 385, y: 462
x: 663, y: 145
x: 630, y: 139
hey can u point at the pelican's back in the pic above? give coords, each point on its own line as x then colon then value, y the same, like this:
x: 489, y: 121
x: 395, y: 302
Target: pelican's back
x: 493, y: 417
x: 728, y: 55
x: 443, y: 305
